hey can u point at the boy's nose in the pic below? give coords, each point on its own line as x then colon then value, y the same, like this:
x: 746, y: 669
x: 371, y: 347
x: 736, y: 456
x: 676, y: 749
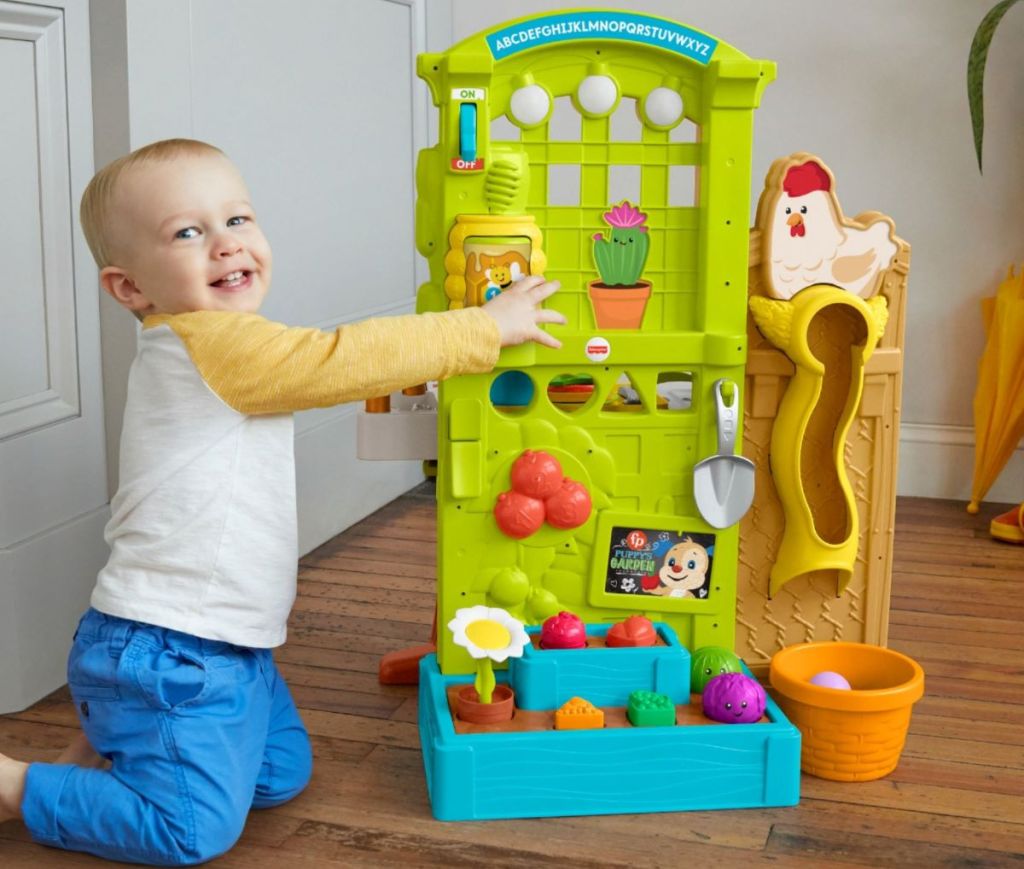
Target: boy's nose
x: 227, y: 246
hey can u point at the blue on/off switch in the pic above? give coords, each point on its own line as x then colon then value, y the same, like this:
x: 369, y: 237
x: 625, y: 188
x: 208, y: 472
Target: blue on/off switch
x: 467, y: 131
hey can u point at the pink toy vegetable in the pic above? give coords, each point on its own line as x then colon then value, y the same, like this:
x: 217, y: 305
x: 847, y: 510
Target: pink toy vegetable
x: 563, y: 631
x: 734, y: 698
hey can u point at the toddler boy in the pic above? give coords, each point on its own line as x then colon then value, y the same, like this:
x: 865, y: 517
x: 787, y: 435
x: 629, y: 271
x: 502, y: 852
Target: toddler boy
x: 171, y: 667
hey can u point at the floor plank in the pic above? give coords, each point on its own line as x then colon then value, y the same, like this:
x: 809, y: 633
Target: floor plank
x: 956, y: 798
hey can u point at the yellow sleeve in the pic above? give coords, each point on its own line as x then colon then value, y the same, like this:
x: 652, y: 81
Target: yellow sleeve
x: 257, y: 366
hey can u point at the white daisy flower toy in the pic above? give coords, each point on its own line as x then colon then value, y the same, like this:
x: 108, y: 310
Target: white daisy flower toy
x: 489, y: 634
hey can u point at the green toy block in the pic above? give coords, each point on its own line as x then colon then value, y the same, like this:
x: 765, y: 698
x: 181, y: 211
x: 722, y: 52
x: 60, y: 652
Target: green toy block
x: 650, y: 709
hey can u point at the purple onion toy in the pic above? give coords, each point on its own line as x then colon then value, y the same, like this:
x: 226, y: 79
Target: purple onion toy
x: 830, y: 679
x: 734, y: 698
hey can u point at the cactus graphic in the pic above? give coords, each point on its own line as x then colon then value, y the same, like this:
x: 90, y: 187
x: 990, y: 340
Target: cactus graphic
x: 620, y: 258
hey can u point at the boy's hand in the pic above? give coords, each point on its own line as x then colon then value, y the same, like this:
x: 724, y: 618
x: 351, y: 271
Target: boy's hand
x: 518, y: 313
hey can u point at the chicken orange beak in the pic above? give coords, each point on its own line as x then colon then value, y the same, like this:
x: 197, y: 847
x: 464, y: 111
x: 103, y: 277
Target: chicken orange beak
x: 794, y: 220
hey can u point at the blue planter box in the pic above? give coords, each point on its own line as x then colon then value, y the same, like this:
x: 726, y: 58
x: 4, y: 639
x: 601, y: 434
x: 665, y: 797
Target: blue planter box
x: 547, y: 678
x: 476, y: 776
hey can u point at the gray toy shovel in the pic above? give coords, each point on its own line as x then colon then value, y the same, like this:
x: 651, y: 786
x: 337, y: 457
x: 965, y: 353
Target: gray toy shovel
x: 724, y: 484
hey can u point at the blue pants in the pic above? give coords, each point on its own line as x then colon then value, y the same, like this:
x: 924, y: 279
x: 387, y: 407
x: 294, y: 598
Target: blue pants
x: 197, y: 732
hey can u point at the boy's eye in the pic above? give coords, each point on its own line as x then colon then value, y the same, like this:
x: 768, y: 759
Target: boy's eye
x: 188, y: 232
x: 238, y: 220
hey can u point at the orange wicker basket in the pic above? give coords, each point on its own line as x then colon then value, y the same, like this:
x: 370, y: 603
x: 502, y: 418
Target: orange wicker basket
x: 854, y: 735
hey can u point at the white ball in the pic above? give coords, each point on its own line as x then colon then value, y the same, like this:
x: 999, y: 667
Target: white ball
x: 530, y: 105
x: 663, y: 107
x: 597, y: 94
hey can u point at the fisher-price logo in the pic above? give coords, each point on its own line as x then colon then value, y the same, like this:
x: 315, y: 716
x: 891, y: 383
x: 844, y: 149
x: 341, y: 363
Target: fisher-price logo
x: 636, y: 540
x: 598, y: 349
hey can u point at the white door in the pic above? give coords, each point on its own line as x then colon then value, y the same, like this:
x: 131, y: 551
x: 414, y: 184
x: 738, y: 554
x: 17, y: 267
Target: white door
x: 318, y: 104
x: 53, y: 486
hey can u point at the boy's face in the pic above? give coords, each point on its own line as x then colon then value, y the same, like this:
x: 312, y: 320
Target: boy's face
x: 186, y: 239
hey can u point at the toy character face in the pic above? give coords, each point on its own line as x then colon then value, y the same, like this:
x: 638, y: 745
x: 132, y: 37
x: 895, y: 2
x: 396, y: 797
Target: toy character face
x: 804, y: 227
x: 708, y: 662
x: 734, y: 698
x: 684, y: 567
x: 625, y: 237
x: 500, y: 275
x: 191, y: 241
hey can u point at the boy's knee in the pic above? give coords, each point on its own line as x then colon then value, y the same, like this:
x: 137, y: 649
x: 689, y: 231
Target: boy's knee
x: 215, y: 834
x: 290, y: 772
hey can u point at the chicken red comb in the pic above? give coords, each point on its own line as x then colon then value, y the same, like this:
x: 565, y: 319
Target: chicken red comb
x: 806, y: 178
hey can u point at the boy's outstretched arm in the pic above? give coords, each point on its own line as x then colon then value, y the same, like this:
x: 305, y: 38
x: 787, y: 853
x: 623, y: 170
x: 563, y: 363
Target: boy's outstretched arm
x: 259, y: 367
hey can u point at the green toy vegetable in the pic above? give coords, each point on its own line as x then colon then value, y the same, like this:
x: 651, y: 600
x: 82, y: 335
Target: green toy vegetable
x: 708, y: 662
x: 620, y: 258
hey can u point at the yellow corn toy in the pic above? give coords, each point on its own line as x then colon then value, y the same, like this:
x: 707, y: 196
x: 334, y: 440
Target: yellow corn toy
x: 829, y: 334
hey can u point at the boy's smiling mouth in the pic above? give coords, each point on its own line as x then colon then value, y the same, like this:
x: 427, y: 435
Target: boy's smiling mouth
x: 236, y: 280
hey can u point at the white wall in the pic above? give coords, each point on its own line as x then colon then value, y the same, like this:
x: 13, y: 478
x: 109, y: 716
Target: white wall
x: 318, y: 105
x: 877, y: 89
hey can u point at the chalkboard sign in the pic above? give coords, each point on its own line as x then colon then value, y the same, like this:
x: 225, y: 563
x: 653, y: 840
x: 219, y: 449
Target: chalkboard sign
x: 660, y: 563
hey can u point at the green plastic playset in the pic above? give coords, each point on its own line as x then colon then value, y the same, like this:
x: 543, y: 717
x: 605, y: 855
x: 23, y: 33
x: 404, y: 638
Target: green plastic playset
x: 566, y: 477
x: 483, y: 216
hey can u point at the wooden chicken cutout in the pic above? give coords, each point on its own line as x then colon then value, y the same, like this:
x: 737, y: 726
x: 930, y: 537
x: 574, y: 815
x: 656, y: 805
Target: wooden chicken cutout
x: 807, y: 240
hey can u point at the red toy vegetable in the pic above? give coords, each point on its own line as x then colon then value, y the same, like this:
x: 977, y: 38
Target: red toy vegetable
x: 632, y: 631
x: 570, y: 506
x: 537, y: 474
x: 518, y: 515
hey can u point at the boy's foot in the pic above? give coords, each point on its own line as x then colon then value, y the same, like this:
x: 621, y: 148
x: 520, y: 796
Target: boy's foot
x: 81, y: 753
x: 12, y: 787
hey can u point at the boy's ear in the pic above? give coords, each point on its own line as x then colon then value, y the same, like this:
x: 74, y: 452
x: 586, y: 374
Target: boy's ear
x: 121, y: 288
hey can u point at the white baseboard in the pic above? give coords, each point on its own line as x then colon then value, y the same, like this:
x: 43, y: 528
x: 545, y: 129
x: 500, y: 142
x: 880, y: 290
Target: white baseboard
x: 937, y: 461
x: 45, y: 583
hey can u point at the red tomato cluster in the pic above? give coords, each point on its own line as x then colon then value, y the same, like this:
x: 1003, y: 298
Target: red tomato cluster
x: 540, y: 491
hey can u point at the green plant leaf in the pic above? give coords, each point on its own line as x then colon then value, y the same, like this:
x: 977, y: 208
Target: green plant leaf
x: 976, y: 69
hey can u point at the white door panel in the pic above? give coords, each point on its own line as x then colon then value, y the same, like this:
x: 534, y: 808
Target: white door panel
x: 53, y: 488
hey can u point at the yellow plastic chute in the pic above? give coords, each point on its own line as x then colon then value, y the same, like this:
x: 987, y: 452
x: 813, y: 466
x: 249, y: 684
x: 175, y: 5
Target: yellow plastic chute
x: 999, y: 397
x: 829, y: 335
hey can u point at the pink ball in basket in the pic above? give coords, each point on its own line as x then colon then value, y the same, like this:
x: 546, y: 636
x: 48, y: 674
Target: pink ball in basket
x: 830, y: 679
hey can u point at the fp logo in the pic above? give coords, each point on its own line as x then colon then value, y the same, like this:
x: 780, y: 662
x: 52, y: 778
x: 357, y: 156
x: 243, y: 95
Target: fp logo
x: 636, y: 540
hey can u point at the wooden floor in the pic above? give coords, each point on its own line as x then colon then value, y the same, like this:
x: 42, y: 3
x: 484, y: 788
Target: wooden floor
x: 956, y: 799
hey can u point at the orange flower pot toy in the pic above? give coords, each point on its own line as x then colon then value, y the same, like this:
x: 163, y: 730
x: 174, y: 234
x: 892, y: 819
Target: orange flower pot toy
x: 849, y: 734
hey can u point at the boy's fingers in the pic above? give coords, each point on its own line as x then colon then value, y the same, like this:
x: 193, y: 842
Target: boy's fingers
x: 539, y: 292
x: 542, y: 337
x: 547, y: 315
x: 525, y: 284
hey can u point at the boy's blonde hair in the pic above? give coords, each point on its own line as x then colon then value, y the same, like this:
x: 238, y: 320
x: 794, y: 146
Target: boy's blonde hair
x: 99, y: 194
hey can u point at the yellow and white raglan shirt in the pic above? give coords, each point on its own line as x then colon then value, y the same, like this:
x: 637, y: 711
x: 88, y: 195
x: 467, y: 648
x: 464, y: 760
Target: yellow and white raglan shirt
x: 203, y: 529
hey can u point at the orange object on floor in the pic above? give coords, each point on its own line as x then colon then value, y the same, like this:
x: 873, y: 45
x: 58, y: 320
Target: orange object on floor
x: 1009, y: 526
x: 852, y: 735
